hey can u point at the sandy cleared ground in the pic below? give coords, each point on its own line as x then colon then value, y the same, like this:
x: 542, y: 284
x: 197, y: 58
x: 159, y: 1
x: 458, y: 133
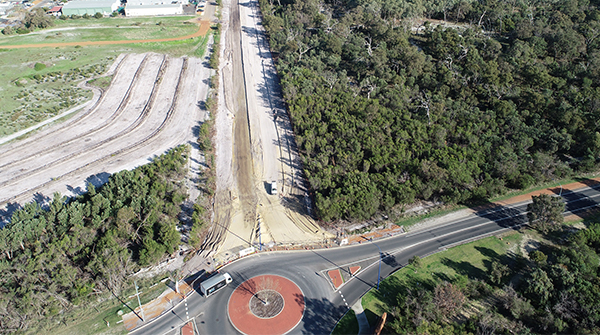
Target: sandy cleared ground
x: 254, y: 147
x: 150, y: 107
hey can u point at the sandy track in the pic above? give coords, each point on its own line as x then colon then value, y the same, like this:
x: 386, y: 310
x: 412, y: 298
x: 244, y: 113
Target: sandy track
x: 284, y: 217
x: 151, y: 106
x: 105, y: 126
x: 253, y: 146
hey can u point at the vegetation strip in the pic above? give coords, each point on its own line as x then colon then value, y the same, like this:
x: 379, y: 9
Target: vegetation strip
x: 57, y: 258
x: 202, y: 30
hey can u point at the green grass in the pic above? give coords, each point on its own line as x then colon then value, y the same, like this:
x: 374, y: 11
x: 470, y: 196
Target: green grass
x: 102, y: 82
x: 92, y: 320
x: 468, y: 260
x: 26, y: 101
x: 106, y: 30
x: 347, y: 325
x: 122, y: 21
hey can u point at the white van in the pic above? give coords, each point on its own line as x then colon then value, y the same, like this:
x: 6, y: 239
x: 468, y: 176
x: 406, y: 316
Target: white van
x: 274, y: 187
x: 214, y: 284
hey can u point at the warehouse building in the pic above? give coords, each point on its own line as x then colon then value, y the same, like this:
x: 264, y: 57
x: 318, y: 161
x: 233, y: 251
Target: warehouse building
x: 153, y: 7
x: 90, y: 7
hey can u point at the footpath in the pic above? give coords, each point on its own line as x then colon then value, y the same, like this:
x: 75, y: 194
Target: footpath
x: 170, y: 298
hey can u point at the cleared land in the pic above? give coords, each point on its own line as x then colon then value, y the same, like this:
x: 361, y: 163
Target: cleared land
x: 112, y: 29
x: 151, y: 106
x: 254, y: 147
x: 38, y: 84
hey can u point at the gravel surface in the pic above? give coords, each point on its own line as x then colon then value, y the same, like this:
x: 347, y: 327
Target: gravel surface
x: 253, y: 147
x: 151, y: 106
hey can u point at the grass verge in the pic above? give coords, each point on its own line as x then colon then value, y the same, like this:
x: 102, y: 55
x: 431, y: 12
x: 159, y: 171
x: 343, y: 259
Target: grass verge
x: 108, y: 29
x: 470, y: 260
x: 103, y: 317
x: 347, y: 325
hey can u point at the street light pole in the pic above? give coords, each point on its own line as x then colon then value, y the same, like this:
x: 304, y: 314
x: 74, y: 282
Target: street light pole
x: 139, y: 303
x: 380, y: 256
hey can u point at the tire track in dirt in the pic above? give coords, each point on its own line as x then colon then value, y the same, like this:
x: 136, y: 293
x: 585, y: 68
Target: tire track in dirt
x: 135, y: 146
x: 229, y: 202
x: 107, y: 123
x: 141, y: 117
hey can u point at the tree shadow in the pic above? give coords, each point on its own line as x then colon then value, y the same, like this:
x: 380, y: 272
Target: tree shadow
x: 320, y: 315
x: 464, y: 268
x: 577, y: 202
x: 389, y: 259
x: 98, y: 179
x: 504, y: 216
x: 7, y: 212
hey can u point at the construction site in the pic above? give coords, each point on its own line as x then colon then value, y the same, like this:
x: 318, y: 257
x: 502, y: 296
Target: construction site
x: 154, y: 103
x: 255, y: 146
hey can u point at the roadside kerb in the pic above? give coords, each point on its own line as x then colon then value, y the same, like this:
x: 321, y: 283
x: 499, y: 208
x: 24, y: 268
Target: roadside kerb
x: 394, y: 251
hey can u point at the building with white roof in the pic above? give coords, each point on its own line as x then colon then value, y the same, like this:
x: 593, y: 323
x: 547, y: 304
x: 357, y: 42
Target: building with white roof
x: 90, y: 7
x: 154, y: 7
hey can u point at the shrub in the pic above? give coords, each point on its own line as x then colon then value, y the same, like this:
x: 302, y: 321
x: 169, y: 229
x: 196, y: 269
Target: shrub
x: 98, y: 15
x: 86, y: 16
x: 39, y: 66
x: 8, y: 30
x: 114, y: 14
x: 63, y: 17
x: 22, y: 31
x: 37, y: 18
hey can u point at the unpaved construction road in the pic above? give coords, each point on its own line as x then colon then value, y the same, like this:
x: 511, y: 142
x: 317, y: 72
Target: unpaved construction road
x: 254, y: 146
x: 150, y: 107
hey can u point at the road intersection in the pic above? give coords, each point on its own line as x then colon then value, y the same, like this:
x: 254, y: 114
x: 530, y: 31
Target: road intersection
x: 308, y: 269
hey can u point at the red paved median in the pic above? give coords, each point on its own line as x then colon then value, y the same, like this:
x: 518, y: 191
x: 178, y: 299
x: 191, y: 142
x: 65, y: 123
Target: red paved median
x: 336, y: 278
x: 245, y: 320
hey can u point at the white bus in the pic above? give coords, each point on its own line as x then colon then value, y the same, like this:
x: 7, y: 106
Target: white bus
x: 213, y: 284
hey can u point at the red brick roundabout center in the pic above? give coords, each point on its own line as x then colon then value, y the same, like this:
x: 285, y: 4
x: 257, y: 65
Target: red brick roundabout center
x: 266, y: 305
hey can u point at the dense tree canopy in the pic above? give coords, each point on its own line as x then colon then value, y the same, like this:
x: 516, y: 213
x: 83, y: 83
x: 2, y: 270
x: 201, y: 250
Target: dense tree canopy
x: 387, y: 109
x: 545, y: 213
x: 54, y: 258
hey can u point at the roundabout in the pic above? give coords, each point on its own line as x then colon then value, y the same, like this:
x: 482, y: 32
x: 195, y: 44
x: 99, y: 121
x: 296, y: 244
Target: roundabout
x: 266, y: 304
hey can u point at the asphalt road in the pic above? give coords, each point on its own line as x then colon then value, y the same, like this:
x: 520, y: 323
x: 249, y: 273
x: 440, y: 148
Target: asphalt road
x: 324, y: 306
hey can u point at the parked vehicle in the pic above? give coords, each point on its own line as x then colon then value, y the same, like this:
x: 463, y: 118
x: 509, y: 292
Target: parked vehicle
x: 274, y: 187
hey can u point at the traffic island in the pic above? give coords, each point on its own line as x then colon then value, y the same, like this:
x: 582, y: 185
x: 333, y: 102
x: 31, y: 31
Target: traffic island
x: 336, y: 278
x: 266, y: 305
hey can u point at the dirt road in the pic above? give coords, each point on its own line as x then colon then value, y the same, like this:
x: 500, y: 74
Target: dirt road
x: 151, y: 106
x: 253, y: 147
x: 203, y: 27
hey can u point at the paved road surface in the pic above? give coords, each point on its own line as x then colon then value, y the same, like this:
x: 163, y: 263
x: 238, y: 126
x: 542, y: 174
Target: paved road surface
x: 324, y: 306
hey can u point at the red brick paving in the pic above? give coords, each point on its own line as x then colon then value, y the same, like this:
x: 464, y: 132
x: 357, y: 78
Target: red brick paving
x: 247, y: 323
x: 188, y: 329
x: 354, y: 270
x: 336, y: 277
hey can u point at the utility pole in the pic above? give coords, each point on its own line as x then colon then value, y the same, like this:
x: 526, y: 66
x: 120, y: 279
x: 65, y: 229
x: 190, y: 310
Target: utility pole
x: 139, y: 302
